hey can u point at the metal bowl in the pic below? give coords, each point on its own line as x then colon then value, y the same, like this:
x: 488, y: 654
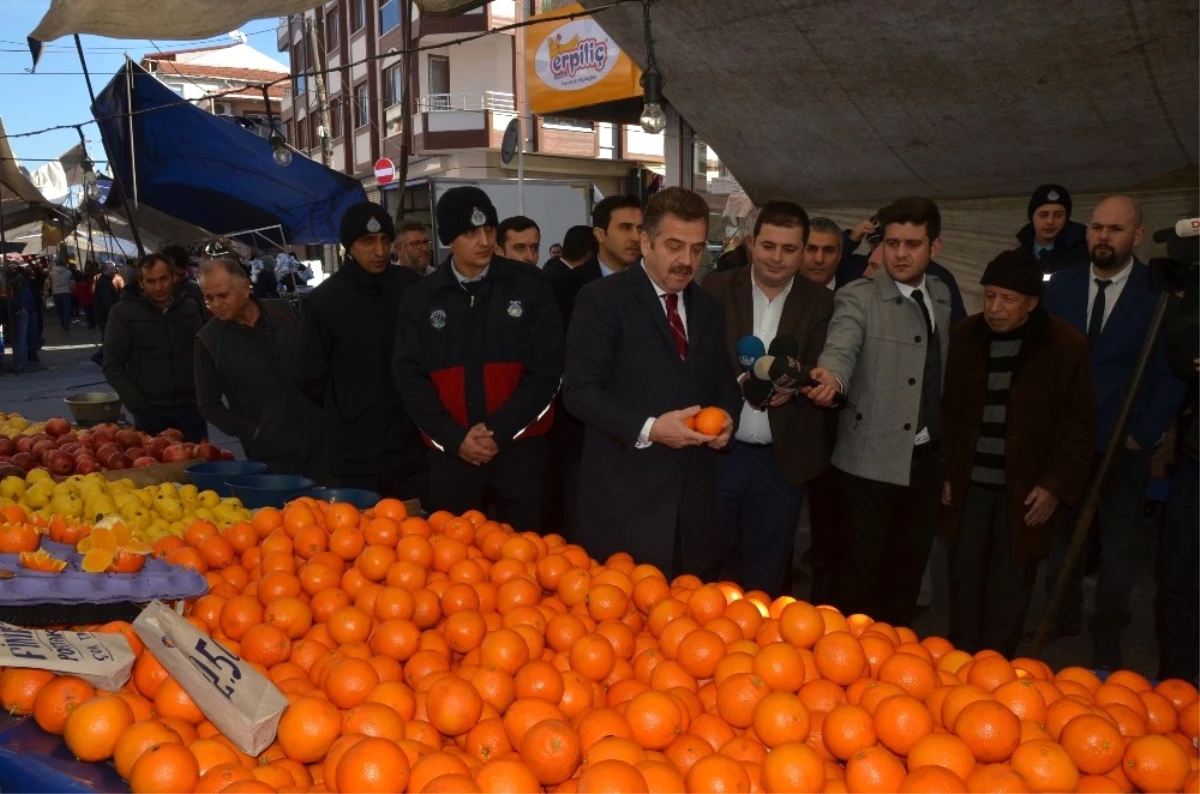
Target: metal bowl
x: 94, y: 407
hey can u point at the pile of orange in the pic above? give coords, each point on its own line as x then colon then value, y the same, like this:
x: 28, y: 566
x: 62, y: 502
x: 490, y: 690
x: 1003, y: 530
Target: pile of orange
x: 452, y: 654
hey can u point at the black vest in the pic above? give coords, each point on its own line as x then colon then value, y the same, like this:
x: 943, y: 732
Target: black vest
x: 929, y: 413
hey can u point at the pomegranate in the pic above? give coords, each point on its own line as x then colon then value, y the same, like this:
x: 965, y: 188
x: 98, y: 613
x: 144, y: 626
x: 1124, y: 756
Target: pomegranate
x: 7, y: 447
x: 174, y: 454
x: 72, y: 449
x: 86, y: 464
x: 158, y: 446
x: 129, y: 438
x: 25, y: 460
x: 135, y: 452
x: 23, y: 444
x: 105, y: 452
x: 145, y: 460
x: 68, y: 437
x: 226, y: 455
x: 58, y: 462
x: 100, y: 438
x: 58, y: 426
x: 85, y: 438
x: 119, y: 461
x: 41, y: 448
x: 108, y: 428
x: 207, y: 452
x: 171, y: 434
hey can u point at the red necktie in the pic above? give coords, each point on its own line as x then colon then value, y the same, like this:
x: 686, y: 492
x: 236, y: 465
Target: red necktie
x: 676, y: 323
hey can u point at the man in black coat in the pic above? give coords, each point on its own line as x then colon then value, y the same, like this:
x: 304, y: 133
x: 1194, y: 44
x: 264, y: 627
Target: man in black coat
x: 148, y: 352
x: 349, y: 332
x: 246, y: 359
x: 645, y: 352
x: 478, y: 362
x: 614, y: 232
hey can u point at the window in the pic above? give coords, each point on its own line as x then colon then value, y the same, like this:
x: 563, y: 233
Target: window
x: 362, y: 105
x: 301, y: 141
x: 389, y: 15
x: 562, y: 122
x: 333, y: 28
x: 176, y: 87
x: 393, y: 84
x: 314, y: 130
x: 335, y: 119
x: 439, y: 74
x: 299, y: 81
x: 358, y: 15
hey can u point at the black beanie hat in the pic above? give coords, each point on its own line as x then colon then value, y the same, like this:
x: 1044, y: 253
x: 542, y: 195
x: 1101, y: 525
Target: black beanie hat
x: 461, y: 209
x: 1016, y: 270
x: 362, y: 219
x: 1049, y: 194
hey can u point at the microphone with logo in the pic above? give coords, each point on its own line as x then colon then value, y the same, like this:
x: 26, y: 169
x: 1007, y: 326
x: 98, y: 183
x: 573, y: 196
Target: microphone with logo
x: 782, y: 367
x: 758, y: 393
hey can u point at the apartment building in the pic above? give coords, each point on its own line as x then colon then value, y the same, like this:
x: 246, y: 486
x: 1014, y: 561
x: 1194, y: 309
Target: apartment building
x: 464, y: 96
x: 204, y: 72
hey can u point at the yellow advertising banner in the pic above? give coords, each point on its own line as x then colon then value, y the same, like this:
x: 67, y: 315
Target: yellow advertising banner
x: 573, y: 63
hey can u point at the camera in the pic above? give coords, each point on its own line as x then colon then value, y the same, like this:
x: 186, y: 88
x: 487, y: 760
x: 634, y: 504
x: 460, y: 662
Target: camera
x: 1179, y: 270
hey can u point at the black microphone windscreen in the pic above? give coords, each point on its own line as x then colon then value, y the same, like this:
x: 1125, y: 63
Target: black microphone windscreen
x: 784, y: 346
x: 758, y: 392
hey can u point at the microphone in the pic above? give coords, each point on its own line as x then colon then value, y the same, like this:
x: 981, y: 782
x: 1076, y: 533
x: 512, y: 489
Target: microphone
x: 758, y: 393
x: 1188, y: 227
x: 749, y: 350
x: 786, y: 371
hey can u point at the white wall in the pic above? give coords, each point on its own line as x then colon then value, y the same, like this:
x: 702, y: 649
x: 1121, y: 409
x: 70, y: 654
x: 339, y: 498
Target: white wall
x: 239, y: 55
x: 483, y: 65
x: 640, y: 142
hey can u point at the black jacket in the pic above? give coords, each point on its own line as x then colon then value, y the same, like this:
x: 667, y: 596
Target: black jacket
x: 254, y: 368
x: 148, y: 351
x: 1070, y: 247
x: 566, y: 437
x: 349, y: 329
x: 1181, y: 328
x: 491, y: 355
x: 106, y: 298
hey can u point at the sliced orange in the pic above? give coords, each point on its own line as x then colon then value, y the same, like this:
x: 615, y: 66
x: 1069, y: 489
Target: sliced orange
x: 41, y: 560
x: 97, y: 561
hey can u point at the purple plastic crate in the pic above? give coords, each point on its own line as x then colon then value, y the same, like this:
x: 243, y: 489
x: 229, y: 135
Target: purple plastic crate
x: 157, y: 580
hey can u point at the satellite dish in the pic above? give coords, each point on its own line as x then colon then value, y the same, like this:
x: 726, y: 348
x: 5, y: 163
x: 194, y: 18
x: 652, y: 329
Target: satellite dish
x: 512, y: 141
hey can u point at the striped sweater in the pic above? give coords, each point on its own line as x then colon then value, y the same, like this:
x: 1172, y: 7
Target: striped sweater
x: 990, y: 457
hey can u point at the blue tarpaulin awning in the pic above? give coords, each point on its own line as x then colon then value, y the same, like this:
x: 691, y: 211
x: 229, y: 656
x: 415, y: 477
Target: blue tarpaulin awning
x: 201, y: 169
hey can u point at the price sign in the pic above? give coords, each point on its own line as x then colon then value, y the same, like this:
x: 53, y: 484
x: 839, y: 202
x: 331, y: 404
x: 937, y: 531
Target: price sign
x: 234, y: 696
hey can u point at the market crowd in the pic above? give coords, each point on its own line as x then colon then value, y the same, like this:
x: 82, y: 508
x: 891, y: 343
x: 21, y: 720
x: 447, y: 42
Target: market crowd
x: 628, y: 400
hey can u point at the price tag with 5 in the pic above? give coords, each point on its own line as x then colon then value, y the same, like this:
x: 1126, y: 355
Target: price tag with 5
x: 218, y: 664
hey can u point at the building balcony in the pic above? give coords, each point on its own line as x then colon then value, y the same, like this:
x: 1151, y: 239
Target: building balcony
x: 462, y: 121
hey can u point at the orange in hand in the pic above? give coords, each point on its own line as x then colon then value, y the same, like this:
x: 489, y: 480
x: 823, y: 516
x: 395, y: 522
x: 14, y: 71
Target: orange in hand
x: 710, y: 421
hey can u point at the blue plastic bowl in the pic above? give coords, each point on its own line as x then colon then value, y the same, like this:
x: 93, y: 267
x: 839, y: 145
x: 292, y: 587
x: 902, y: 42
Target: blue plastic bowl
x: 268, y: 490
x: 212, y: 476
x: 359, y: 497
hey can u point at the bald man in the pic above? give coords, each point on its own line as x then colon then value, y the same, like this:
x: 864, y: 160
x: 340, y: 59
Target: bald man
x: 1110, y: 300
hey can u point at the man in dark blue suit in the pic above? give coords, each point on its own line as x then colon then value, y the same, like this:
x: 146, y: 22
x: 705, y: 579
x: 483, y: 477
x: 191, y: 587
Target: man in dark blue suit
x: 1110, y: 300
x: 645, y: 351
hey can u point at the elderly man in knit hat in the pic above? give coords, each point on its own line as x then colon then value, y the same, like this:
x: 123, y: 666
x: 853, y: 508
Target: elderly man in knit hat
x: 1018, y: 419
x: 1051, y: 236
x: 479, y: 358
x: 349, y: 330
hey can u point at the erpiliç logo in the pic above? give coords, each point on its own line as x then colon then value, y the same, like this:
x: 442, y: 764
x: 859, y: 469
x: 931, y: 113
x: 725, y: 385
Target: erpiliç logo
x: 576, y: 55
x: 568, y: 59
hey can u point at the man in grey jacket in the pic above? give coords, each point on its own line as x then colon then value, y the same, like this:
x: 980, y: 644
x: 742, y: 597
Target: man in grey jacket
x: 886, y: 351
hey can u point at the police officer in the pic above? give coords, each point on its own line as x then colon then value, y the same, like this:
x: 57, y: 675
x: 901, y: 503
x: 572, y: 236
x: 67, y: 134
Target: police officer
x: 349, y: 328
x: 479, y: 358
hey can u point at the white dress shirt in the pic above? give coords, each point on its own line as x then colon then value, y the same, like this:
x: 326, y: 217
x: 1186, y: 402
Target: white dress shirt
x: 1111, y: 292
x: 923, y: 436
x: 830, y: 285
x: 755, y: 425
x: 644, y: 437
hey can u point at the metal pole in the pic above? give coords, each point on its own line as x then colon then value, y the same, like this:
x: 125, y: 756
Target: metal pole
x: 322, y: 100
x: 521, y: 109
x: 129, y: 102
x: 1084, y: 523
x: 405, y: 107
x: 116, y: 172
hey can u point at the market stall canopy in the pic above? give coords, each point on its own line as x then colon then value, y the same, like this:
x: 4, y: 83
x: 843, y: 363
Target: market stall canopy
x: 20, y: 200
x: 160, y: 19
x: 201, y: 169
x: 858, y: 100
